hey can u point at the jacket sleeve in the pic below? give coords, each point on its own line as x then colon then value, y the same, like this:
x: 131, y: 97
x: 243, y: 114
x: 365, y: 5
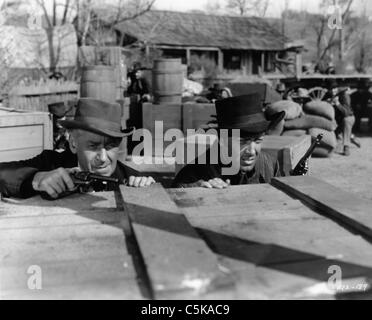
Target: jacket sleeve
x: 16, y: 177
x: 189, y: 177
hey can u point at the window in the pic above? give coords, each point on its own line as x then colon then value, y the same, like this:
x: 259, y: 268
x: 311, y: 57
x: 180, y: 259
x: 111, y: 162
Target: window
x: 232, y: 60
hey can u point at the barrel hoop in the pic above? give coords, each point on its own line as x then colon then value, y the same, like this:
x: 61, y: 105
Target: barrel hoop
x: 164, y: 71
x: 166, y: 94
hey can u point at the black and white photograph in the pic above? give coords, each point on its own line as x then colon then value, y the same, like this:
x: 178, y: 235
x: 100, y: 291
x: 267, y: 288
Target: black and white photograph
x: 185, y: 155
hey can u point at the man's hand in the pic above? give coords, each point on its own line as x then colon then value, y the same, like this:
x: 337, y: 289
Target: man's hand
x: 54, y: 183
x: 216, y: 183
x: 140, y: 182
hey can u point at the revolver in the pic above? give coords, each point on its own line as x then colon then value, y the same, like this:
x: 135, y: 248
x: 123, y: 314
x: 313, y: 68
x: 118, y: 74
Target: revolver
x: 84, y: 182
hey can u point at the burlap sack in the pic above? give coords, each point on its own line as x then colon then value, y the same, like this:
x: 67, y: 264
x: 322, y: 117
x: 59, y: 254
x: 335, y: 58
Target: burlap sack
x: 294, y: 133
x: 320, y: 108
x: 292, y: 109
x: 308, y: 121
x: 329, y: 140
x: 277, y: 130
x: 321, y: 152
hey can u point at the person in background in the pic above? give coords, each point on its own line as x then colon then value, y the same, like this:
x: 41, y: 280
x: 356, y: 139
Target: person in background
x: 340, y: 100
x: 280, y: 88
x: 138, y: 85
x: 218, y: 93
x: 95, y: 137
x: 361, y: 102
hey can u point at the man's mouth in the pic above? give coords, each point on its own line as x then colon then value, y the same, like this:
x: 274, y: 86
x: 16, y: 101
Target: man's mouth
x: 101, y: 168
x: 248, y: 161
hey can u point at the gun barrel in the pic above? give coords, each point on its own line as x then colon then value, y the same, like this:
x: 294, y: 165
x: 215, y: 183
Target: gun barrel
x: 104, y: 179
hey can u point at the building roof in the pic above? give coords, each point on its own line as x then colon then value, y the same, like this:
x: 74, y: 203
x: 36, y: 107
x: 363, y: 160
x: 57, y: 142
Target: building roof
x: 202, y: 30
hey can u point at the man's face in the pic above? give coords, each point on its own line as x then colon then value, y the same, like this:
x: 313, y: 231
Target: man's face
x: 96, y: 153
x: 248, y: 148
x: 334, y: 91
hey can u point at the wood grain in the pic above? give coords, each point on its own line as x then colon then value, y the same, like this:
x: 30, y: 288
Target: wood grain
x: 177, y: 259
x: 331, y: 201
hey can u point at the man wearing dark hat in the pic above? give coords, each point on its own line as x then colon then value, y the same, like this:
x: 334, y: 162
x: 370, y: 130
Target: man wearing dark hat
x: 244, y: 113
x: 345, y: 119
x: 138, y: 85
x: 361, y: 102
x: 95, y: 136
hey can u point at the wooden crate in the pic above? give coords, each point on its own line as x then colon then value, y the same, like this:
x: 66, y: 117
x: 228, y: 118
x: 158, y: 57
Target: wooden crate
x: 243, y: 242
x: 288, y: 150
x: 169, y: 114
x: 24, y: 135
x: 197, y: 115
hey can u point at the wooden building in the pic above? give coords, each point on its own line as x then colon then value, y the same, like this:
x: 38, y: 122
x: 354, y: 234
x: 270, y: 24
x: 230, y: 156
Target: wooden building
x: 243, y: 45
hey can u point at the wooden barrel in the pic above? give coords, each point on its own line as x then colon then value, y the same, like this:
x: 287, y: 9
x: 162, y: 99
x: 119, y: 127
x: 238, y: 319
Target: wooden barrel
x: 167, y: 80
x: 99, y: 82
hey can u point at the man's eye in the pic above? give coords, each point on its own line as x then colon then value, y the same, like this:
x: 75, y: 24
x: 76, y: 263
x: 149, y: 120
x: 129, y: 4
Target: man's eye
x: 93, y: 146
x: 111, y: 146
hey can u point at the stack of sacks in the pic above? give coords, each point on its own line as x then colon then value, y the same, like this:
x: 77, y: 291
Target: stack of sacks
x: 318, y: 118
x: 292, y: 111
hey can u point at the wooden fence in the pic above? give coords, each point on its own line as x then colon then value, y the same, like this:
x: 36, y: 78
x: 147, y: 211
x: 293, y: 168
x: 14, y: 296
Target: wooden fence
x: 37, y: 96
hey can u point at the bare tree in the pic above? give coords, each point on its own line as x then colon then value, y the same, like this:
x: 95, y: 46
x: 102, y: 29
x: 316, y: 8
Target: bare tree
x: 93, y: 21
x: 327, y: 41
x: 252, y: 7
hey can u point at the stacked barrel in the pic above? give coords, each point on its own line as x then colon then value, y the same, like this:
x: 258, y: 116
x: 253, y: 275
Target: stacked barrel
x: 167, y: 80
x: 314, y: 118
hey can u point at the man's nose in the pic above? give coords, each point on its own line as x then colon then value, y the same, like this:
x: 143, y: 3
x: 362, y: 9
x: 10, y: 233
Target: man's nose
x: 103, y: 155
x: 250, y: 148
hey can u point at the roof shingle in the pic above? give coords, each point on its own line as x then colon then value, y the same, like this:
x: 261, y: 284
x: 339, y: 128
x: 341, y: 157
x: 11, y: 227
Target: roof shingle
x: 202, y: 30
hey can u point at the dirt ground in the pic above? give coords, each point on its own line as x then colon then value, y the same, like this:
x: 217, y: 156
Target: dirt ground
x: 352, y: 174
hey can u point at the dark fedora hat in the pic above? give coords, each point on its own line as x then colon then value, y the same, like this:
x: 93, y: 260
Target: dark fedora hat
x: 98, y: 117
x: 245, y: 113
x: 332, y: 84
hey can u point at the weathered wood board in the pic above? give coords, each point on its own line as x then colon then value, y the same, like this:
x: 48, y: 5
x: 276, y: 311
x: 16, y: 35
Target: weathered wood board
x: 24, y: 135
x: 272, y: 244
x: 197, y: 115
x: 244, y: 242
x: 331, y: 201
x: 77, y: 243
x: 177, y: 259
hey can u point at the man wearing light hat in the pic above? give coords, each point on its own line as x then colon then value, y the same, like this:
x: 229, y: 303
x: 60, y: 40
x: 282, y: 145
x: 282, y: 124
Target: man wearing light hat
x: 95, y: 136
x: 244, y: 113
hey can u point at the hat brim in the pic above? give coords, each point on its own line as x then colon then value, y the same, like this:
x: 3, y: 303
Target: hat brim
x: 255, y: 128
x: 72, y: 124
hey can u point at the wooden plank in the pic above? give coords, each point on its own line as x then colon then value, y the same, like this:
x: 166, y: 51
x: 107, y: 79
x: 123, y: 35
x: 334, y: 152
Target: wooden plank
x: 177, y: 259
x: 31, y: 133
x: 79, y: 246
x: 72, y: 256
x: 267, y: 247
x: 109, y: 289
x: 21, y: 137
x: 331, y: 201
x: 201, y: 197
x: 76, y: 203
x: 27, y: 250
x: 288, y: 150
x: 82, y: 218
x: 20, y: 154
x: 196, y: 115
x: 95, y: 277
x: 292, y: 210
x: 169, y: 114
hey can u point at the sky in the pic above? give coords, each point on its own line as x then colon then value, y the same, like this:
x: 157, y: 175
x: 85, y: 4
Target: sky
x: 274, y: 10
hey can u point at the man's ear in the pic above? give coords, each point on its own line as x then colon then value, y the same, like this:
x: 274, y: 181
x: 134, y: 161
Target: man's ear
x: 72, y: 143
